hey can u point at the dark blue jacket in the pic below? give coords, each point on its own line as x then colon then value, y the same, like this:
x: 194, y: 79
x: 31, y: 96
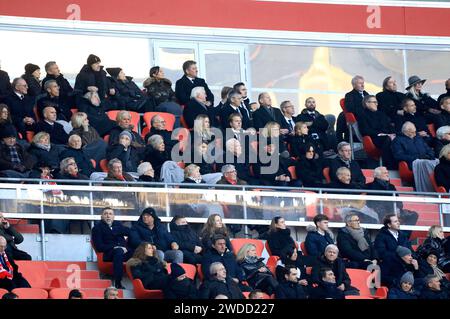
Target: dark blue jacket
x: 227, y: 259
x: 51, y: 157
x: 157, y: 236
x: 385, y: 243
x: 348, y: 246
x: 433, y: 295
x: 326, y: 290
x: 290, y: 290
x: 393, y: 268
x: 105, y: 239
x: 84, y: 164
x: 398, y: 293
x: 316, y: 243
x: 185, y: 236
x: 88, y: 77
x: 339, y: 270
x: 409, y: 149
x: 280, y: 242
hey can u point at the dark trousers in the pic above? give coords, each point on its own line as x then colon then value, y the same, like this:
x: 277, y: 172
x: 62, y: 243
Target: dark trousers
x: 17, y: 282
x: 118, y: 257
x: 190, y: 257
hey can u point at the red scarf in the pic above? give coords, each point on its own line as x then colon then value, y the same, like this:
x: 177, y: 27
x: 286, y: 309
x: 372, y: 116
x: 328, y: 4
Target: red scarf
x: 6, y: 273
x: 231, y: 181
x: 54, y: 191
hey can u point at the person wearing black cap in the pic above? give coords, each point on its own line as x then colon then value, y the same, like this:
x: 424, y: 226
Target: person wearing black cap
x: 404, y: 289
x: 92, y: 78
x: 179, y: 285
x: 426, y: 105
x: 393, y: 267
x: 14, y: 159
x: 32, y: 77
x: 128, y: 96
x: 148, y: 228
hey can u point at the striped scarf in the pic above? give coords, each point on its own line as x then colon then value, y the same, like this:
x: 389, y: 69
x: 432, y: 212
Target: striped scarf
x: 15, y: 159
x: 5, y: 273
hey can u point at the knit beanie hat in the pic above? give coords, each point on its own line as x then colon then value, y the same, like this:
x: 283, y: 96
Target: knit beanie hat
x: 92, y: 59
x: 402, y: 251
x: 127, y: 133
x: 30, y: 68
x: 114, y: 72
x: 407, y: 277
x: 176, y: 271
x: 8, y: 130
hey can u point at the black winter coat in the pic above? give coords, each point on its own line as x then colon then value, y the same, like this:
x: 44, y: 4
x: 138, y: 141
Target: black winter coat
x: 227, y: 259
x: 184, y: 86
x: 65, y: 89
x: 262, y: 116
x: 442, y: 173
x: 130, y: 158
x: 114, y: 135
x: 160, y: 90
x: 433, y: 294
x: 424, y: 102
x: 88, y: 77
x: 193, y: 109
x: 156, y: 158
x: 409, y: 149
x: 56, y: 131
x: 251, y: 267
x: 211, y: 288
x: 97, y: 117
x: 51, y: 157
x: 372, y: 123
x: 165, y: 134
x: 393, y: 268
x: 316, y: 243
x: 442, y: 120
x: 386, y: 245
x: 398, y: 293
x: 127, y: 94
x: 281, y: 242
x: 417, y: 119
x: 310, y: 172
x: 63, y: 111
x: 34, y: 86
x: 436, y: 245
x: 326, y: 290
x: 151, y: 272
x: 290, y: 290
x: 339, y: 270
x: 84, y: 164
x: 20, y: 109
x: 185, y: 236
x: 353, y: 102
x: 389, y: 103
x: 5, y: 85
x: 5, y: 157
x: 157, y: 236
x: 180, y: 289
x: 105, y: 238
x: 357, y: 174
x: 348, y: 246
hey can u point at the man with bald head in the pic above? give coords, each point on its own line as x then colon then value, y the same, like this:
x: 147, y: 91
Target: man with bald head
x: 158, y: 124
x: 48, y: 124
x: 266, y: 112
x: 10, y: 277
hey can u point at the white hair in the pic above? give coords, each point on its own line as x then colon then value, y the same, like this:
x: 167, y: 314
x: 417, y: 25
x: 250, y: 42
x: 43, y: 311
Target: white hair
x: 143, y: 167
x: 229, y: 145
x: 377, y: 171
x: 332, y: 247
x: 196, y: 91
x: 442, y: 131
x: 406, y: 125
x: 356, y: 78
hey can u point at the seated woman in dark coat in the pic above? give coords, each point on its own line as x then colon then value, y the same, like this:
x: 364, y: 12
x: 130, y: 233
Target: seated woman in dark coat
x: 256, y: 272
x: 179, y: 285
x: 69, y: 170
x: 213, y: 226
x: 281, y: 243
x: 124, y: 150
x: 44, y: 151
x: 91, y: 105
x: 155, y: 153
x: 201, y: 158
x: 437, y: 243
x: 331, y: 260
x: 309, y: 169
x: 146, y: 266
x: 189, y: 241
x: 442, y: 170
x: 404, y: 289
x: 123, y: 123
x: 146, y: 173
x: 74, y: 150
x: 302, y: 140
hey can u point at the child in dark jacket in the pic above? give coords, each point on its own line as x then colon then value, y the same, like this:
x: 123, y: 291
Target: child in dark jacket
x: 404, y: 290
x: 180, y: 286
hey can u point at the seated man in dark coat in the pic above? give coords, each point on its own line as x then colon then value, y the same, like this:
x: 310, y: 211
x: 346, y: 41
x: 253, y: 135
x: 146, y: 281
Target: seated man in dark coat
x: 108, y: 238
x: 159, y: 128
x: 196, y: 106
x: 13, y: 238
x: 290, y: 288
x: 10, y: 277
x: 48, y: 124
x: 219, y: 284
x: 234, y: 106
x: 442, y: 170
x: 389, y: 237
x: 411, y: 115
x: 190, y: 243
x: 354, y: 243
x: 390, y: 100
x: 316, y: 122
x: 326, y: 288
x: 65, y: 89
x: 433, y: 289
x: 444, y: 118
x: 184, y: 86
x: 74, y: 150
x: 318, y: 238
x: 92, y: 78
x: 126, y: 152
x: 15, y: 161
x: 345, y: 160
x: 219, y: 252
x: 148, y: 228
x: 123, y: 120
x: 408, y: 146
x: 21, y: 106
x: 96, y: 112
x: 266, y: 112
x: 375, y: 124
x: 53, y: 98
x: 230, y: 176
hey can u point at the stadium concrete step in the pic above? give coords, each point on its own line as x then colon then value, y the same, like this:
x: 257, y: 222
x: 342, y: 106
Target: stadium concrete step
x: 64, y: 265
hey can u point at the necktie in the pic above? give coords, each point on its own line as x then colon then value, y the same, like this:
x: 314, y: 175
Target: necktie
x: 291, y: 125
x: 362, y: 94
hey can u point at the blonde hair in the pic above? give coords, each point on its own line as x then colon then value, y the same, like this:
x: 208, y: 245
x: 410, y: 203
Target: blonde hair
x: 242, y: 253
x: 190, y: 169
x: 78, y: 119
x: 267, y: 130
x: 37, y: 138
x: 199, y: 126
x: 434, y: 230
x: 444, y: 151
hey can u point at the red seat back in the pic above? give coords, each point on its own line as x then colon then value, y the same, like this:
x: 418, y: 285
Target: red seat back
x: 292, y: 172
x: 34, y: 272
x: 168, y: 117
x: 326, y: 174
x: 135, y: 118
x: 370, y: 148
x: 31, y: 293
x: 237, y: 244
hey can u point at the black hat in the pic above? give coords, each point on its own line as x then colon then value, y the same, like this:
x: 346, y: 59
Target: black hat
x: 92, y: 59
x: 413, y: 80
x: 7, y: 131
x: 30, y: 68
x: 176, y: 270
x: 114, y: 72
x: 150, y: 211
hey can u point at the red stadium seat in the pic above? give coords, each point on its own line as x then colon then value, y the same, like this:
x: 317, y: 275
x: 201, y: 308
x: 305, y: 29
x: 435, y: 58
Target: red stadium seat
x: 432, y: 129
x: 272, y: 263
x: 437, y: 189
x: 292, y: 172
x: 105, y: 267
x: 342, y: 104
x: 190, y: 270
x: 303, y: 248
x: 326, y: 174
x: 106, y: 138
x: 144, y: 132
x: 183, y: 122
x: 30, y: 135
x: 34, y: 272
x: 237, y: 243
x: 2, y: 292
x: 201, y: 277
x: 371, y: 149
x: 359, y: 279
x: 31, y: 293
x: 168, y: 117
x: 104, y: 165
x: 405, y: 173
x: 135, y: 118
x: 139, y: 290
